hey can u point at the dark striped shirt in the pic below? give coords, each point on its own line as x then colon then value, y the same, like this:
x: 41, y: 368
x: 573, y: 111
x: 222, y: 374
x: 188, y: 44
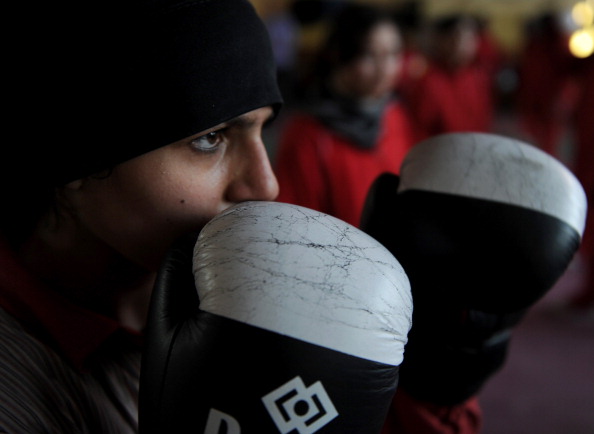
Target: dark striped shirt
x: 40, y: 392
x: 63, y: 369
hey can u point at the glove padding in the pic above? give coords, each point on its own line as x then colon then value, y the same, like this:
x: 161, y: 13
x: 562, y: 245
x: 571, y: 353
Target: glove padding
x: 301, y: 324
x: 483, y: 226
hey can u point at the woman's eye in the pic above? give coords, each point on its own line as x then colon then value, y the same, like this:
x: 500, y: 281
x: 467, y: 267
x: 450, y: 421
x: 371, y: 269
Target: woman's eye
x: 208, y: 142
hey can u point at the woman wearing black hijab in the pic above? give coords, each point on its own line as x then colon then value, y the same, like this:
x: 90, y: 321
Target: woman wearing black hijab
x: 135, y: 122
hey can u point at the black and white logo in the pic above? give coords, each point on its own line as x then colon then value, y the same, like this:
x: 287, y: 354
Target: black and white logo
x: 296, y: 407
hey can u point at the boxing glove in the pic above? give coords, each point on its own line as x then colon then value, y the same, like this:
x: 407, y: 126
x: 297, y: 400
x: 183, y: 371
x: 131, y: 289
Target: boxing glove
x: 292, y: 321
x: 484, y: 226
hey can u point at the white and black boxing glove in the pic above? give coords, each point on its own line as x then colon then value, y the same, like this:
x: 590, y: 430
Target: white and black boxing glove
x: 296, y: 324
x: 484, y: 226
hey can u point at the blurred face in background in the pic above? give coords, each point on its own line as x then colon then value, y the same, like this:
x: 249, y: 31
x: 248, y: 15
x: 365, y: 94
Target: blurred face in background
x: 458, y: 46
x: 372, y: 74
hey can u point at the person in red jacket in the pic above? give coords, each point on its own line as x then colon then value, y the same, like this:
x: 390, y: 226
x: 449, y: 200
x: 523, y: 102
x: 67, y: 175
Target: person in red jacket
x: 455, y: 93
x: 583, y: 168
x: 331, y: 150
x: 546, y: 94
x: 351, y: 128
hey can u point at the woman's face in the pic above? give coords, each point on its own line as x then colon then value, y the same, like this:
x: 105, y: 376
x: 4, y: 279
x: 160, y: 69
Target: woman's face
x: 147, y: 202
x: 373, y: 73
x: 459, y: 46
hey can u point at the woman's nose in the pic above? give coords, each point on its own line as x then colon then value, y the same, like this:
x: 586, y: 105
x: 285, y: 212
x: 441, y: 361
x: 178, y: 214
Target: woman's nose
x: 252, y: 175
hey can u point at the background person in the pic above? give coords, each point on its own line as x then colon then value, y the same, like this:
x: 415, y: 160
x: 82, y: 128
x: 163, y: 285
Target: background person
x: 350, y: 127
x: 455, y: 93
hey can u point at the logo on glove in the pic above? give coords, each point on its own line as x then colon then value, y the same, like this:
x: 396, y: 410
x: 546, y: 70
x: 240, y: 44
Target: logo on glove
x: 296, y: 407
x: 293, y: 408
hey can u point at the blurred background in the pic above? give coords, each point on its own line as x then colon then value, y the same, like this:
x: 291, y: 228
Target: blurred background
x: 540, y: 56
x: 535, y: 48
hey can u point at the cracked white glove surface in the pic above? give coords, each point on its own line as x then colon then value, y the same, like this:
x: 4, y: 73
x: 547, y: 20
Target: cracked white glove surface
x: 497, y: 168
x: 307, y: 275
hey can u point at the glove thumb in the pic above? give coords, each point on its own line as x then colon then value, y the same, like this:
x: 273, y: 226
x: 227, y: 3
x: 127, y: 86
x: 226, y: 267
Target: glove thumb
x: 378, y: 216
x: 174, y: 294
x: 174, y: 298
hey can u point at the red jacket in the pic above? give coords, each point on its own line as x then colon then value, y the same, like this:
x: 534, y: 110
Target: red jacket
x: 320, y: 170
x: 444, y: 101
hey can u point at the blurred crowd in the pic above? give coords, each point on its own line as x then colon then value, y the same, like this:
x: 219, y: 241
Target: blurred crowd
x: 363, y: 85
x: 449, y: 73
